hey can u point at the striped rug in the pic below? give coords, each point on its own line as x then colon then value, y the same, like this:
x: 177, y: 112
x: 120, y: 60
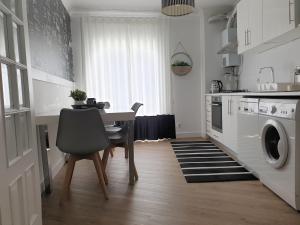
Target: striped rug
x: 202, y: 161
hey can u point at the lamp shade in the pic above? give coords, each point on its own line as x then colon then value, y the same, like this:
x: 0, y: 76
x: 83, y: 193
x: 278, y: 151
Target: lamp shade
x: 177, y: 7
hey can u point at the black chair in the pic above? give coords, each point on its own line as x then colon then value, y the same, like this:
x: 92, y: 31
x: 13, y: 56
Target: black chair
x: 81, y: 134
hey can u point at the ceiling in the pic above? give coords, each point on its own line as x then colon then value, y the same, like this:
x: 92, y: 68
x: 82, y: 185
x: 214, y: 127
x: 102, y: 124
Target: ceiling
x: 133, y: 5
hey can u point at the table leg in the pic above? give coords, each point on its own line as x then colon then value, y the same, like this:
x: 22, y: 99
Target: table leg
x: 43, y: 155
x: 131, y: 152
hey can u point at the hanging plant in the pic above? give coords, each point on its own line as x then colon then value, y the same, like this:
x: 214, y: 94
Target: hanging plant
x: 182, y: 63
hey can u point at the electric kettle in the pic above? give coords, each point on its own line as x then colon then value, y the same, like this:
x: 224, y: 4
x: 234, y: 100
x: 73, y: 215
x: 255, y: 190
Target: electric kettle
x: 216, y: 86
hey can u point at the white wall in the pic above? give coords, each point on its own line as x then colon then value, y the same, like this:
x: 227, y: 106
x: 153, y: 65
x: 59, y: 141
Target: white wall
x: 213, y: 43
x: 51, y: 94
x: 284, y: 59
x: 187, y: 89
x: 77, y: 52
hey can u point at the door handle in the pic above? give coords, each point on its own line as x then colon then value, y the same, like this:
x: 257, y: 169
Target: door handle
x: 245, y: 37
x: 228, y: 107
x: 249, y: 37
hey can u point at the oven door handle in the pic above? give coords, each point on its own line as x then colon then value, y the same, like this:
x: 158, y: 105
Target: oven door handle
x: 216, y: 104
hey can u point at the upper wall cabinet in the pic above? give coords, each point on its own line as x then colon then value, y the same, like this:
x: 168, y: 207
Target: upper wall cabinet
x: 279, y: 17
x: 249, y: 16
x: 264, y: 24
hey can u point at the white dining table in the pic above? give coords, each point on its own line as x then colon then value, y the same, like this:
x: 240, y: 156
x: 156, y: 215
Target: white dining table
x: 108, y: 116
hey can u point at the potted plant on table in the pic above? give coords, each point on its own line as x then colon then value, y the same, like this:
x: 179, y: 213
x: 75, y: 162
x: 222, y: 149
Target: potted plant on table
x: 78, y: 96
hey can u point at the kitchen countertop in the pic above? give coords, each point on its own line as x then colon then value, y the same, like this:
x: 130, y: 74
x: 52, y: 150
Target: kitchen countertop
x: 258, y: 94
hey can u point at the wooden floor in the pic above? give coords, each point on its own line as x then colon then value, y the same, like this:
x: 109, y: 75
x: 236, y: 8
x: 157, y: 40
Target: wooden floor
x: 161, y: 196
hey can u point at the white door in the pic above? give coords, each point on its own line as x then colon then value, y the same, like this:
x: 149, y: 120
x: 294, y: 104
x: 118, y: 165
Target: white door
x: 230, y: 116
x: 19, y: 187
x: 255, y: 23
x: 242, y: 25
x: 278, y: 18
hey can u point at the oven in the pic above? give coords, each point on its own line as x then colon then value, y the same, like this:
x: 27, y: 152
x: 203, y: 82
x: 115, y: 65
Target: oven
x: 216, y: 110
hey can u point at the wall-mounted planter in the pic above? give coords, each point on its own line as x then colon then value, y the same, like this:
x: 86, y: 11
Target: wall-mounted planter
x: 182, y: 63
x: 181, y: 70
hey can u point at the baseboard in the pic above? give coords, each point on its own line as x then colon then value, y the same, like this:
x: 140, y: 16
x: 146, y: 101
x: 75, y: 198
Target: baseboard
x: 57, y: 167
x: 190, y: 134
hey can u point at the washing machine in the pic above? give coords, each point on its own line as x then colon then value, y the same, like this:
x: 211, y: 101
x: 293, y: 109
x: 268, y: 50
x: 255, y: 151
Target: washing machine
x: 279, y: 126
x: 248, y: 135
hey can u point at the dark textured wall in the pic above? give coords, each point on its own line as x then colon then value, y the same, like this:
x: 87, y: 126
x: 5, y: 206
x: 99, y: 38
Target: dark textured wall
x: 50, y: 37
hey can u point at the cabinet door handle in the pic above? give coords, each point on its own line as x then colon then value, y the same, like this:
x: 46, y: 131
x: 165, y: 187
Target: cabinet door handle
x: 228, y: 111
x: 290, y: 12
x: 228, y: 105
x: 249, y: 37
x: 245, y: 37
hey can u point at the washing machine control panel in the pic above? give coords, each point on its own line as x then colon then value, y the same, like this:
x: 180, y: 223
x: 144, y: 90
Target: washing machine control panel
x: 248, y: 106
x: 276, y: 109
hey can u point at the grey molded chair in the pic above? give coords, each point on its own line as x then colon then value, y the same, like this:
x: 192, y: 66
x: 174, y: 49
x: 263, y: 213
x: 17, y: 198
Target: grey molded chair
x: 136, y: 107
x: 81, y: 134
x: 119, y: 139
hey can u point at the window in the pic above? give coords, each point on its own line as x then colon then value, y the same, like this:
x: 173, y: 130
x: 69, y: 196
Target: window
x: 126, y: 60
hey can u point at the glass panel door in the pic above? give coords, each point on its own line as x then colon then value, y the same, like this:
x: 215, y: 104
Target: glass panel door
x: 20, y: 186
x: 6, y: 87
x: 3, y: 45
x: 16, y: 42
x: 11, y: 145
x: 14, y: 81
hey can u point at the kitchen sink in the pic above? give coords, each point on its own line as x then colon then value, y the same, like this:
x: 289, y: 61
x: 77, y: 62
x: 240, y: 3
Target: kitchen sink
x: 278, y: 87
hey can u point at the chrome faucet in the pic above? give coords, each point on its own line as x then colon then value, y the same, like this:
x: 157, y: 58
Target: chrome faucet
x: 272, y: 72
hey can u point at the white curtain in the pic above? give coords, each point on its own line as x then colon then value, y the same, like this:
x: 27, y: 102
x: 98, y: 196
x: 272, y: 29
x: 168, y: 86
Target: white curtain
x: 126, y: 60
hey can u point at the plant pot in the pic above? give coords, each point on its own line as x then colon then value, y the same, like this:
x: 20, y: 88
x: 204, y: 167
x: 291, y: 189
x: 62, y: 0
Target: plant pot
x: 181, y: 70
x: 78, y: 102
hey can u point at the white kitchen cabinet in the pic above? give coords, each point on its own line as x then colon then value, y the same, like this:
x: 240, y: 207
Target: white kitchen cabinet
x: 242, y: 25
x: 230, y: 106
x: 279, y: 17
x: 265, y: 24
x: 249, y: 26
x: 208, y: 116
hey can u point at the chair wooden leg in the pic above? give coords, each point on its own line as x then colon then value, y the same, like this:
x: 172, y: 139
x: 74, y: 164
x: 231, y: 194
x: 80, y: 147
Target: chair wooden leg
x: 112, y: 152
x: 136, y: 173
x: 68, y: 178
x: 105, y: 157
x: 98, y: 168
x: 103, y: 170
x: 126, y: 152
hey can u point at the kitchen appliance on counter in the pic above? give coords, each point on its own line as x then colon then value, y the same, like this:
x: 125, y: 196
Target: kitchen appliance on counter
x: 216, y: 86
x: 230, y: 82
x: 216, y: 114
x: 279, y: 140
x: 297, y: 75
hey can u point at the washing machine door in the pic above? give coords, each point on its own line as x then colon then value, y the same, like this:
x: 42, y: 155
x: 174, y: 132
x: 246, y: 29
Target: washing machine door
x: 275, y: 143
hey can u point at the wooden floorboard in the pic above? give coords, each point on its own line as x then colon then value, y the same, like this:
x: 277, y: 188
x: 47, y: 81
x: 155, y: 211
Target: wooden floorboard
x: 161, y: 196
